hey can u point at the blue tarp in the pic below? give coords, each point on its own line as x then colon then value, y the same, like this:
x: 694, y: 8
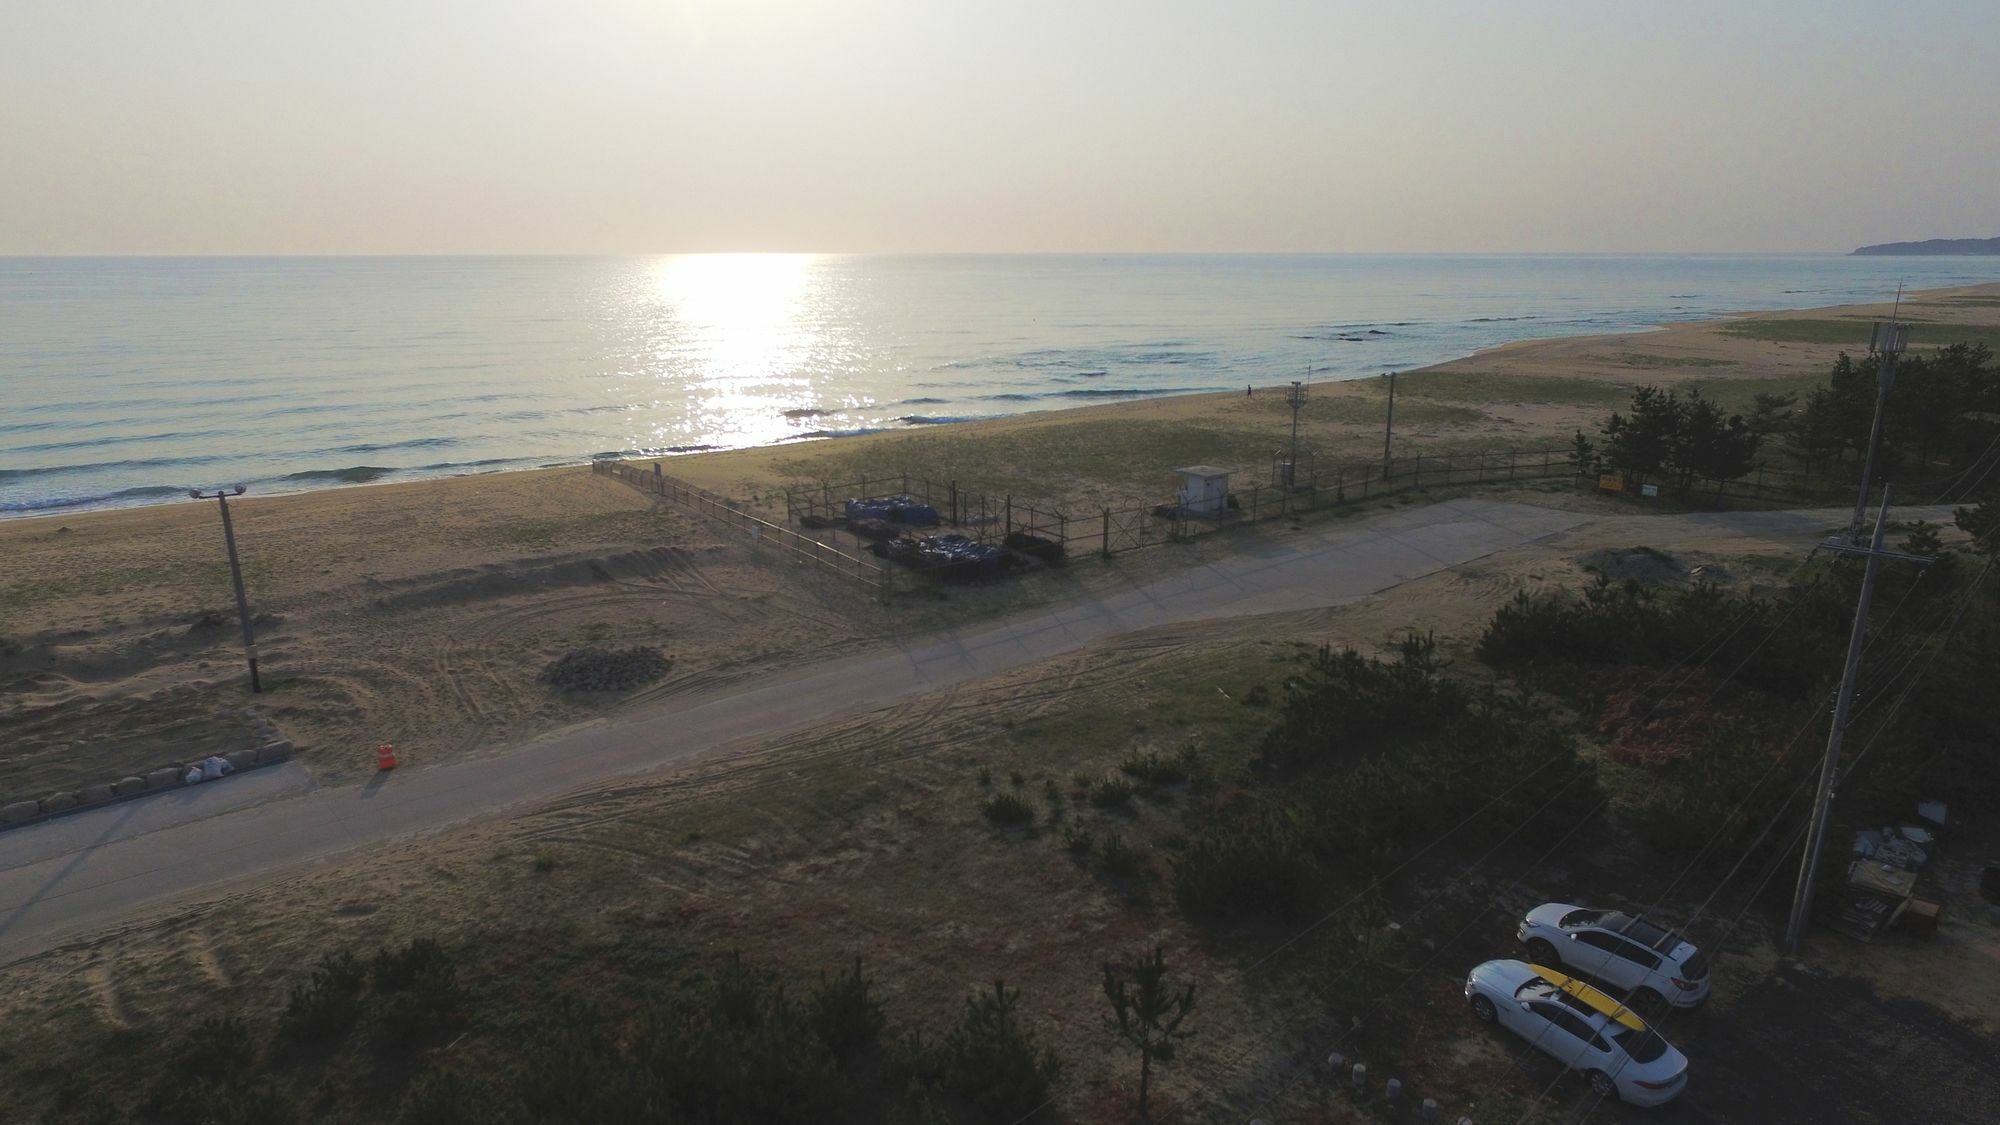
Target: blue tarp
x: 895, y: 509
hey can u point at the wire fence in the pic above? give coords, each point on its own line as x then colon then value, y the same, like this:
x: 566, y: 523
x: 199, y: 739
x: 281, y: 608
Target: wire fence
x: 875, y: 574
x: 818, y: 511
x: 1107, y: 531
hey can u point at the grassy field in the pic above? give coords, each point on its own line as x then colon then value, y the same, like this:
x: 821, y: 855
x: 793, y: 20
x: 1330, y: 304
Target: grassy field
x: 1854, y: 332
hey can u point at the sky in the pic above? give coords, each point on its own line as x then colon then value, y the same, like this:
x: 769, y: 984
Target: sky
x: 659, y: 126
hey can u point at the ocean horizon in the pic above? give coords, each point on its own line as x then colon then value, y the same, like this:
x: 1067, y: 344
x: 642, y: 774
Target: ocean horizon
x: 130, y: 380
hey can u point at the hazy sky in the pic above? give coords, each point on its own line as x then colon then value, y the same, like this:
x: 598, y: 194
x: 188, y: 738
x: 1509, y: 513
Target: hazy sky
x: 419, y: 126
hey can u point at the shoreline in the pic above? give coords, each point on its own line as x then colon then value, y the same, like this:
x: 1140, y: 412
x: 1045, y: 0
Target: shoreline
x: 1665, y: 338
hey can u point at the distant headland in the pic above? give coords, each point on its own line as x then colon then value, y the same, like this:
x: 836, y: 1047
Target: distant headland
x: 1937, y: 246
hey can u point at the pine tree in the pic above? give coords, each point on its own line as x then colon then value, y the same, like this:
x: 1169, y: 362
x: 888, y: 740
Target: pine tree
x: 1147, y: 1013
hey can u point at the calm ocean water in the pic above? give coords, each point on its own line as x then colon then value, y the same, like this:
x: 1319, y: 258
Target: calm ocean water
x: 126, y: 381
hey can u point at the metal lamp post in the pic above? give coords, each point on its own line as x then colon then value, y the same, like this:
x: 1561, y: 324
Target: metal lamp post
x: 221, y: 497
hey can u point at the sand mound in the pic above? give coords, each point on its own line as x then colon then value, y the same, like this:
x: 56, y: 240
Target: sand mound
x: 501, y: 580
x: 1634, y: 564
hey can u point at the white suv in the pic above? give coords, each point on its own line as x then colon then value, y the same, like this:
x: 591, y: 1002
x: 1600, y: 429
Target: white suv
x: 1581, y: 1028
x: 1651, y: 964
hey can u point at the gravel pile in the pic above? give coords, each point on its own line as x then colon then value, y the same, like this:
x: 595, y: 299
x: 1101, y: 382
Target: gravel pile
x: 603, y: 669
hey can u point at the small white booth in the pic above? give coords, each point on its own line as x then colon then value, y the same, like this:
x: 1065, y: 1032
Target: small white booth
x: 1204, y: 489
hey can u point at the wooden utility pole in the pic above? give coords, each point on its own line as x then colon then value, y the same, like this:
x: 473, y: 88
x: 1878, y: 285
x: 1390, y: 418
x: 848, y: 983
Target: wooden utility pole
x: 221, y: 496
x: 1887, y: 343
x: 1296, y: 399
x: 1829, y: 768
x: 1389, y: 426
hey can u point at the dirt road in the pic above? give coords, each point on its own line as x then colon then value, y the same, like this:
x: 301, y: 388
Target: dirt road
x: 85, y: 871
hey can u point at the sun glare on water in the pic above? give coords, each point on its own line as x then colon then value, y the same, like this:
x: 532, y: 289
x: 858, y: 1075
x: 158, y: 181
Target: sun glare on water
x: 743, y: 331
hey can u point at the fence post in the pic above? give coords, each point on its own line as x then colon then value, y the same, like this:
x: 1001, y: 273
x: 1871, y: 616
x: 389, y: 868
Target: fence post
x: 1511, y: 455
x: 1107, y: 533
x: 1008, y: 526
x: 906, y: 482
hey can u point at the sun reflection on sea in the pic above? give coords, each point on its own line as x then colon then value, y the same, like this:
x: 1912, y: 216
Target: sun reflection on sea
x: 745, y: 326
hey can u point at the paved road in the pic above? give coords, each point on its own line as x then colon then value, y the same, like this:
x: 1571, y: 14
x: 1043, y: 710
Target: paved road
x: 87, y: 870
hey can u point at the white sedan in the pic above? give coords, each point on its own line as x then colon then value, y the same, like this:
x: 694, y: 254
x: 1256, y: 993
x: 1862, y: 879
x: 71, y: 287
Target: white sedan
x: 1582, y: 1028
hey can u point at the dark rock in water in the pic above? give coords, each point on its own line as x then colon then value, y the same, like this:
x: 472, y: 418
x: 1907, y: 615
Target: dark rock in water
x: 602, y: 669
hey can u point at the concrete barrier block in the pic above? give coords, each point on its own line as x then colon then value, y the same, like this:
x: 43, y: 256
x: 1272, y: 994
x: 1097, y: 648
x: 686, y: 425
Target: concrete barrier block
x: 241, y: 759
x: 20, y: 811
x: 95, y: 794
x: 166, y: 777
x: 59, y: 802
x: 279, y: 751
x: 129, y: 785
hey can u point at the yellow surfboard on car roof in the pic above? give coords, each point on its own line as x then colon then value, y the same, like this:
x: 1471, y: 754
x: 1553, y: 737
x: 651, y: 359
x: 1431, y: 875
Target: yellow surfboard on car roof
x: 1597, y: 1000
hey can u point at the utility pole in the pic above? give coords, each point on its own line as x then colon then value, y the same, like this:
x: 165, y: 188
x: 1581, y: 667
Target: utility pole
x: 1389, y: 426
x: 1829, y: 769
x: 1887, y: 343
x: 221, y: 496
x: 1296, y: 399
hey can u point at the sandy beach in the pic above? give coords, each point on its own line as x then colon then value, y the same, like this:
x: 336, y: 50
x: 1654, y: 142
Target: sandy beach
x: 419, y: 614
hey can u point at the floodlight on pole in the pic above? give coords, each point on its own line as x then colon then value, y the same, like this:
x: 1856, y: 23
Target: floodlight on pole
x: 221, y: 497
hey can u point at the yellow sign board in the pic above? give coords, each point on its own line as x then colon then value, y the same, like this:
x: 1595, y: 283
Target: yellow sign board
x: 1611, y: 482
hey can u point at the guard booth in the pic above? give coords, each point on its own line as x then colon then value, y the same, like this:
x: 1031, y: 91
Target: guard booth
x: 1204, y: 489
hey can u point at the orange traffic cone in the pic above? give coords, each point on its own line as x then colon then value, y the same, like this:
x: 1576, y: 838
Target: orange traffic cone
x: 385, y: 757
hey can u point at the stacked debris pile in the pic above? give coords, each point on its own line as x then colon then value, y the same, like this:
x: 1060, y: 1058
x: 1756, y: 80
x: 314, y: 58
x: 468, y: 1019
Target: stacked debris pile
x: 603, y: 669
x: 953, y: 558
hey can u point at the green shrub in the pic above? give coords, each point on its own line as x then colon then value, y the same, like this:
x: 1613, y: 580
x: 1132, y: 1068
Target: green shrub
x: 1111, y: 793
x: 422, y: 958
x: 1370, y: 758
x: 1154, y: 768
x: 843, y: 1014
x: 545, y: 861
x: 451, y: 1095
x: 329, y: 1003
x: 1119, y: 858
x: 1007, y: 809
x: 1078, y: 840
x: 993, y: 1062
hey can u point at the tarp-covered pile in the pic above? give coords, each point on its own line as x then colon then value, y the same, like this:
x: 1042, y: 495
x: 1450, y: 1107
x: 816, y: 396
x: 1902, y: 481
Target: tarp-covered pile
x: 906, y: 510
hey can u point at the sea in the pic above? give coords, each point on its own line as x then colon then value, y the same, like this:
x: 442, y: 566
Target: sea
x: 128, y: 381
